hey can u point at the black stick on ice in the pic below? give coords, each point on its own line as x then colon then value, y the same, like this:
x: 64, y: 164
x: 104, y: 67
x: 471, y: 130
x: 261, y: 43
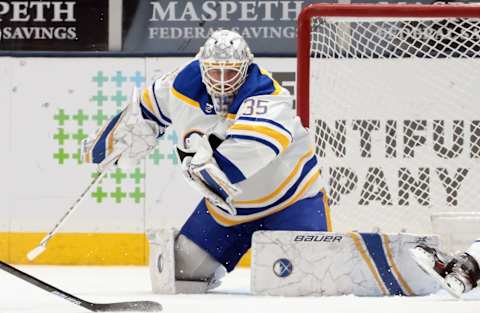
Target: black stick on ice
x: 146, y: 306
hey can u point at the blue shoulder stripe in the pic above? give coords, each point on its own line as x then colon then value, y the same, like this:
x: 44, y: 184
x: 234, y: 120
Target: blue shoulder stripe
x: 373, y: 243
x: 261, y: 140
x: 233, y: 173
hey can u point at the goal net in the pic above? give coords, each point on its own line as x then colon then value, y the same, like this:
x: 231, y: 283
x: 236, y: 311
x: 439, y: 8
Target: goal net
x: 391, y: 94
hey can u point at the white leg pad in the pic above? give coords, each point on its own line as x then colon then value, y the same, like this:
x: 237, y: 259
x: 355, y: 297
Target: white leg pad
x: 288, y: 263
x: 162, y: 265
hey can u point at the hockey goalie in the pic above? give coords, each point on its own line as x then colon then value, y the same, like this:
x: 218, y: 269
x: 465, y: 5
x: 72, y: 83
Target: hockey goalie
x: 246, y: 150
x: 242, y: 146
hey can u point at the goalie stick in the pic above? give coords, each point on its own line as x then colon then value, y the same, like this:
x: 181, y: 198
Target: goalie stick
x: 130, y: 306
x: 42, y: 246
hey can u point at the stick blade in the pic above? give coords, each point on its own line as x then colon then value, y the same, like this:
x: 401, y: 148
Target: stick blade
x: 131, y: 306
x: 34, y: 253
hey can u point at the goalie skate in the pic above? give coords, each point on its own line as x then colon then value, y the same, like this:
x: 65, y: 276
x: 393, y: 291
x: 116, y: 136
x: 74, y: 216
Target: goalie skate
x: 434, y: 263
x: 457, y: 274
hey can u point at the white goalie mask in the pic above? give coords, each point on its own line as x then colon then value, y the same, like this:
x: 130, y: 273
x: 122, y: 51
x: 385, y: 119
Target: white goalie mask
x: 224, y: 60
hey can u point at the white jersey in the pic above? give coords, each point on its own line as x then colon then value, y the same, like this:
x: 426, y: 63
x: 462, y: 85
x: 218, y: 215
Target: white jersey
x: 266, y: 151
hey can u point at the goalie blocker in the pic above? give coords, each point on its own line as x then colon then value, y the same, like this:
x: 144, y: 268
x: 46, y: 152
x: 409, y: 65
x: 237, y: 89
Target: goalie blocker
x: 287, y: 263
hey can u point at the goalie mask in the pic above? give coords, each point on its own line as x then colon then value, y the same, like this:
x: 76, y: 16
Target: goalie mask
x: 224, y: 60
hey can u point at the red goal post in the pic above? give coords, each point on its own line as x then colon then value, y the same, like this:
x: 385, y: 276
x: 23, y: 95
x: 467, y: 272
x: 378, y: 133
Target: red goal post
x: 391, y: 93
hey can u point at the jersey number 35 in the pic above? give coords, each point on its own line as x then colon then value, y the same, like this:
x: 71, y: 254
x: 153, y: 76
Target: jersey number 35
x: 255, y: 107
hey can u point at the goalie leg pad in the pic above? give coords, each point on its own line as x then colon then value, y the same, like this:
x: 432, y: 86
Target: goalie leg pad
x: 193, y: 272
x: 293, y: 263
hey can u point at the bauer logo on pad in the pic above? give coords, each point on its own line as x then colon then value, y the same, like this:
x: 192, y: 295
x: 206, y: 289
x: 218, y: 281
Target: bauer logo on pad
x: 318, y: 238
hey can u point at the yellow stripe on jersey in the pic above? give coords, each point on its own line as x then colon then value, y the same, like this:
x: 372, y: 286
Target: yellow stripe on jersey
x: 147, y: 100
x: 228, y: 220
x: 283, y: 140
x: 184, y: 98
x: 358, y: 244
x: 231, y: 116
x: 393, y: 265
x: 276, y: 85
x: 282, y: 186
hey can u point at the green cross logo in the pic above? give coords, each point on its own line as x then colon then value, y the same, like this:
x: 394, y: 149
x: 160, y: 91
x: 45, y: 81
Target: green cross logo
x: 118, y: 175
x: 119, y: 79
x: 61, y: 117
x: 100, y: 79
x: 137, y: 176
x: 61, y: 136
x: 118, y: 98
x: 79, y: 135
x: 137, y: 195
x: 61, y: 156
x: 100, y: 118
x: 99, y: 98
x: 99, y: 194
x: 118, y: 194
x: 80, y: 117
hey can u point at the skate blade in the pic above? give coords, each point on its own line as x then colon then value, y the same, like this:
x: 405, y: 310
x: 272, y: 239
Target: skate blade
x: 424, y: 262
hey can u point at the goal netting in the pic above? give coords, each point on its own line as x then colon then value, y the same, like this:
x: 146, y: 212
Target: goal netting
x: 393, y: 102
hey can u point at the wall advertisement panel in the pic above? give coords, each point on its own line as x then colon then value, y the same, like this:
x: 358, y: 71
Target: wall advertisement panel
x: 180, y: 27
x: 54, y: 25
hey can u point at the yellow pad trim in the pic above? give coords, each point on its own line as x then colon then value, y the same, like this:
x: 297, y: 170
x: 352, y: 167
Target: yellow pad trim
x: 393, y: 265
x: 358, y: 244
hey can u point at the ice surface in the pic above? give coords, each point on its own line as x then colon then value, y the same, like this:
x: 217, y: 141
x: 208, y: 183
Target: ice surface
x: 111, y: 284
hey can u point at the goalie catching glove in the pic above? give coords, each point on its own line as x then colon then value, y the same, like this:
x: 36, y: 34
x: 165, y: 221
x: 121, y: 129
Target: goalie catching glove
x: 124, y: 140
x: 203, y: 173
